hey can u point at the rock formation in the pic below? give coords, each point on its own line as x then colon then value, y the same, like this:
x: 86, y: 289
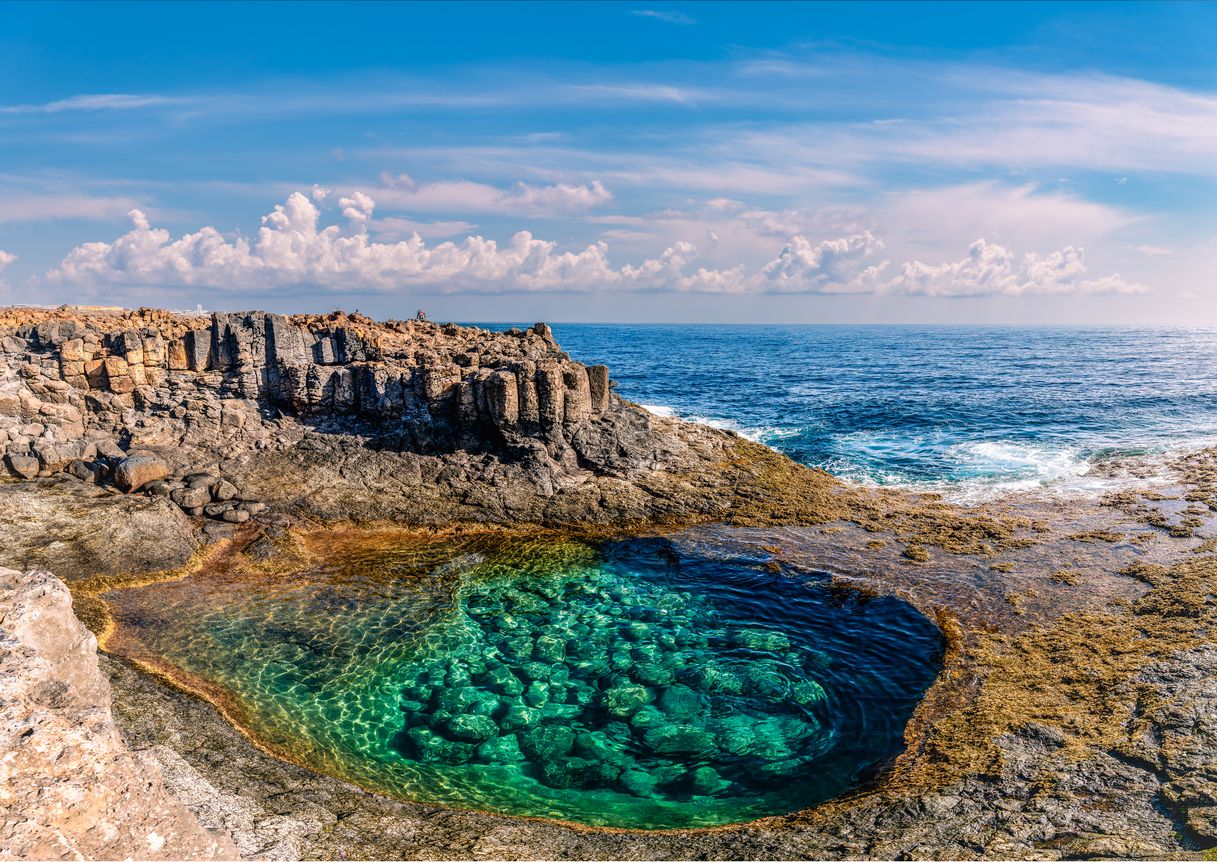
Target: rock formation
x: 72, y: 379
x: 69, y: 787
x: 440, y: 422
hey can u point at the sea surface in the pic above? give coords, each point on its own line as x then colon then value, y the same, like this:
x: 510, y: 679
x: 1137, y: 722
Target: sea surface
x: 972, y: 412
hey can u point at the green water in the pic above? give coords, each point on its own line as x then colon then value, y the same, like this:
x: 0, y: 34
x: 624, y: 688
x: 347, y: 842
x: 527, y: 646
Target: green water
x: 626, y: 685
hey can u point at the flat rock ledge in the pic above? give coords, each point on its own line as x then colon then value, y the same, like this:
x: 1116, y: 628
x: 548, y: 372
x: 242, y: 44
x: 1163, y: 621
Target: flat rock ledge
x: 69, y: 787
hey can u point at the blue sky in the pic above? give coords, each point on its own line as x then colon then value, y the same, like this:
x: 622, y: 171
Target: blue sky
x: 1031, y: 162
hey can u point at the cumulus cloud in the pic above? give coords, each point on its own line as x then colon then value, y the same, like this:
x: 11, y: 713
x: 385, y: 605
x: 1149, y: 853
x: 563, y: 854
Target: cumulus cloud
x: 403, y: 192
x: 292, y: 248
x: 846, y: 265
x: 993, y: 270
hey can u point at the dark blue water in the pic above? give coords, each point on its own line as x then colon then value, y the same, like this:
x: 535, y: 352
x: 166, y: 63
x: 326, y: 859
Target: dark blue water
x: 973, y: 409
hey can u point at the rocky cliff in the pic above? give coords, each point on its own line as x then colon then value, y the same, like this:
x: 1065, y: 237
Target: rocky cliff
x: 483, y: 425
x: 69, y: 787
x: 153, y: 377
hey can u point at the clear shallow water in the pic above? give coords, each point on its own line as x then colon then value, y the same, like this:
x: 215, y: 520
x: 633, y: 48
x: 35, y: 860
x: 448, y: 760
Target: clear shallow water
x: 627, y: 685
x: 968, y: 410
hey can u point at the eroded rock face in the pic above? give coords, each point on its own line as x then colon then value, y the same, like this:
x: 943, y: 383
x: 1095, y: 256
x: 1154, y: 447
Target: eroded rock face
x: 155, y: 376
x: 69, y: 788
x: 441, y: 422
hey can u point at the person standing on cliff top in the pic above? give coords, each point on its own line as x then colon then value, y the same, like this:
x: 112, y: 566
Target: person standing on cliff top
x: 421, y: 315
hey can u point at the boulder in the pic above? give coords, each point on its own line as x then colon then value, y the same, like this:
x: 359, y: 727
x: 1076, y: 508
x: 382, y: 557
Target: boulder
x: 83, y: 470
x: 192, y: 499
x: 110, y: 449
x: 133, y: 472
x: 22, y: 466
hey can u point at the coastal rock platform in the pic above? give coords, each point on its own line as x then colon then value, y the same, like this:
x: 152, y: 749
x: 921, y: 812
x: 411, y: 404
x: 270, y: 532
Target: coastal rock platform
x: 1075, y: 716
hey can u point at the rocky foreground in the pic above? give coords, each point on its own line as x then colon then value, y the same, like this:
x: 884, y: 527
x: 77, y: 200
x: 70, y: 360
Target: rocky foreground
x: 1076, y: 716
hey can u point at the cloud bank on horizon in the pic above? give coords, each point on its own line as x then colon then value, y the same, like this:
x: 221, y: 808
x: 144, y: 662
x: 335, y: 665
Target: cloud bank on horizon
x: 291, y: 249
x: 773, y: 171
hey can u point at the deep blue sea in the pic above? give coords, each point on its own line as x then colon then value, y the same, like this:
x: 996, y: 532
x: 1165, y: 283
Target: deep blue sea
x: 972, y: 411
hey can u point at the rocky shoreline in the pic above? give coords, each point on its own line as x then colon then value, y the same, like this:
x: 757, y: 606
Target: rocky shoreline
x: 1075, y: 717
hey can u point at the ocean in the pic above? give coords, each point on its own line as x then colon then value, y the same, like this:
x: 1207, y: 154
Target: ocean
x: 971, y: 412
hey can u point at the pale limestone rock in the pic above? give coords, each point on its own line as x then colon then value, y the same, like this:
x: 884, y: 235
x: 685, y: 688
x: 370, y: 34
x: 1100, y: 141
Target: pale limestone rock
x: 69, y: 787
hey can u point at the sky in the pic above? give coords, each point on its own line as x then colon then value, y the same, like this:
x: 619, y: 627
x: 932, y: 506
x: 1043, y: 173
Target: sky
x: 618, y: 162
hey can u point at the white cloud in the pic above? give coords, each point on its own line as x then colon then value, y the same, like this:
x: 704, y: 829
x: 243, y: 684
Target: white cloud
x: 96, y: 102
x: 845, y: 265
x: 358, y: 207
x: 993, y: 270
x: 671, y: 16
x: 44, y: 207
x: 292, y: 249
x: 5, y: 259
x: 639, y: 92
x: 404, y: 192
x: 404, y: 228
x: 1024, y: 215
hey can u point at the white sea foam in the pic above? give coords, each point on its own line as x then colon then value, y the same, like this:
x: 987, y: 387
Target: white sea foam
x: 757, y: 434
x: 981, y: 471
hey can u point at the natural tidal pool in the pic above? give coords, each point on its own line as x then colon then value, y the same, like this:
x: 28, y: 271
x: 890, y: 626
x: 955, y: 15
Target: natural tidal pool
x: 627, y: 684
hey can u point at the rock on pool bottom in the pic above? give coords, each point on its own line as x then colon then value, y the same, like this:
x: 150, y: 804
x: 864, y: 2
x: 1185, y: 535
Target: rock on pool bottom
x: 627, y: 685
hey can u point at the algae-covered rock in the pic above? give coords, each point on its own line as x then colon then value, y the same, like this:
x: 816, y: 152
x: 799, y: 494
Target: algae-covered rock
x: 563, y: 772
x: 762, y: 640
x: 429, y: 746
x: 653, y: 674
x: 705, y: 781
x: 549, y: 648
x: 518, y: 715
x: 547, y: 742
x: 617, y: 691
x: 499, y: 678
x: 647, y: 717
x: 807, y: 692
x: 624, y: 700
x: 472, y: 728
x: 714, y: 678
x: 681, y: 704
x: 638, y: 783
x: 500, y: 749
x: 680, y: 740
x: 537, y: 694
